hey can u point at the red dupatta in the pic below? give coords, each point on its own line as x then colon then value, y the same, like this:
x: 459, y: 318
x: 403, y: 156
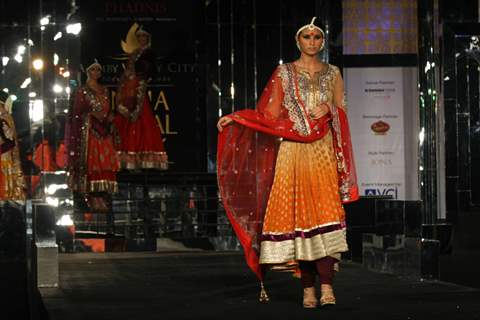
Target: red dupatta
x: 247, y: 151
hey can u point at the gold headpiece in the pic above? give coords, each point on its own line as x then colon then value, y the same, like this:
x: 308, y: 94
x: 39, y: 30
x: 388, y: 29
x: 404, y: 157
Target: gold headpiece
x: 94, y: 64
x: 310, y: 26
x: 131, y: 42
x: 141, y: 31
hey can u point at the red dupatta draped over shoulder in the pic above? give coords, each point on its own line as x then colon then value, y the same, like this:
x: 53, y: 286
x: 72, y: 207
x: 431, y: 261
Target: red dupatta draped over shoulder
x: 247, y: 151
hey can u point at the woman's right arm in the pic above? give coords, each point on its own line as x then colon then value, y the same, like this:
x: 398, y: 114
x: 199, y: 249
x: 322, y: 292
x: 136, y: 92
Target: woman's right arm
x: 223, y: 122
x: 269, y: 104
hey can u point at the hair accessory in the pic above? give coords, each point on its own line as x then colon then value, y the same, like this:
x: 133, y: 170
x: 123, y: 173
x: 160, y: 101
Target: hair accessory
x: 310, y: 26
x: 95, y: 63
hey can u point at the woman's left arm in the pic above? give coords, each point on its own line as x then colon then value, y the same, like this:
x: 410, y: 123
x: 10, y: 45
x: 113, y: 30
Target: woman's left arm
x: 338, y: 92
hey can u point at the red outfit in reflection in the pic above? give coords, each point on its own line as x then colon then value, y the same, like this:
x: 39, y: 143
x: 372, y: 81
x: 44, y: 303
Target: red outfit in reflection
x: 92, y: 161
x: 140, y: 143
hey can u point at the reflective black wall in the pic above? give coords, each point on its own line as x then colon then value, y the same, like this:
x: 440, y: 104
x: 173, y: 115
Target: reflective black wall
x: 244, y: 42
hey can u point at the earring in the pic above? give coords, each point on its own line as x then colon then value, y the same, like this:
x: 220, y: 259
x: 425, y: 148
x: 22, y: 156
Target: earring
x: 323, y: 45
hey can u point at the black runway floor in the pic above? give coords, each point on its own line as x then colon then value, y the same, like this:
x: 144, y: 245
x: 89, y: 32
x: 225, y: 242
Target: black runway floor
x: 207, y: 285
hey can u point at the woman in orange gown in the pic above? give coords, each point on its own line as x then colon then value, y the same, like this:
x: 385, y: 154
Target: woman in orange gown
x: 285, y: 169
x: 92, y: 161
x: 140, y: 143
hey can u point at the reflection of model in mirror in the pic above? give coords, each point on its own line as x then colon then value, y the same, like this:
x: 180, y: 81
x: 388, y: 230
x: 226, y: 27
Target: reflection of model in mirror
x: 12, y: 182
x: 92, y: 161
x: 140, y: 145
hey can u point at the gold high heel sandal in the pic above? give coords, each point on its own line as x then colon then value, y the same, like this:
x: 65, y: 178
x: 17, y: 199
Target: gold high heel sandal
x: 309, y: 298
x: 327, y: 298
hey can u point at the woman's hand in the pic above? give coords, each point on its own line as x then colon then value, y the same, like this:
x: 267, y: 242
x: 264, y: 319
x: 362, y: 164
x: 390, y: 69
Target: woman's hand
x: 223, y: 122
x: 319, y: 111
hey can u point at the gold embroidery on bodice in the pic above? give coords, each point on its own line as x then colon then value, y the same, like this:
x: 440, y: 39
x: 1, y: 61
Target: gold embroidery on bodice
x: 317, y: 88
x: 312, y: 91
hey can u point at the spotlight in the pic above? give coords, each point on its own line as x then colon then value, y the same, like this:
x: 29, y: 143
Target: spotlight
x: 57, y: 36
x: 18, y: 58
x: 74, y: 28
x: 25, y: 83
x: 55, y: 59
x: 57, y: 88
x: 36, y: 110
x: 5, y: 61
x: 21, y: 49
x: 52, y: 188
x: 52, y: 201
x: 45, y: 20
x: 65, y: 220
x: 37, y: 64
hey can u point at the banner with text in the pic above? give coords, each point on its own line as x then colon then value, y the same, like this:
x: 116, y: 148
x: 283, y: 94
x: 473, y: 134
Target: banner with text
x: 376, y: 110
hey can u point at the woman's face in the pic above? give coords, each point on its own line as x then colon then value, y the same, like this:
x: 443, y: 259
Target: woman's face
x: 95, y: 72
x: 143, y: 39
x: 310, y: 41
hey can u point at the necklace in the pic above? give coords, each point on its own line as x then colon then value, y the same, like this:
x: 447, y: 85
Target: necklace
x: 320, y: 70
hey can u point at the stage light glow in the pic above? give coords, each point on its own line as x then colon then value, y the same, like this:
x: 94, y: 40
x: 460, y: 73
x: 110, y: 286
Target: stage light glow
x: 45, y: 20
x: 52, y: 201
x: 57, y: 36
x: 421, y: 136
x: 36, y: 110
x: 65, y: 220
x: 32, y: 94
x: 21, y: 49
x: 57, y: 88
x: 18, y: 58
x: 280, y: 61
x: 5, y: 90
x: 52, y: 188
x: 5, y: 61
x: 37, y: 64
x: 25, y: 83
x: 74, y: 28
x: 68, y: 90
x: 232, y: 90
x: 66, y: 74
x: 55, y: 59
x: 13, y: 97
x: 427, y: 67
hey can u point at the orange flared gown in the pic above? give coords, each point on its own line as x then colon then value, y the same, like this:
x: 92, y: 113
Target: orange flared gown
x: 283, y: 176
